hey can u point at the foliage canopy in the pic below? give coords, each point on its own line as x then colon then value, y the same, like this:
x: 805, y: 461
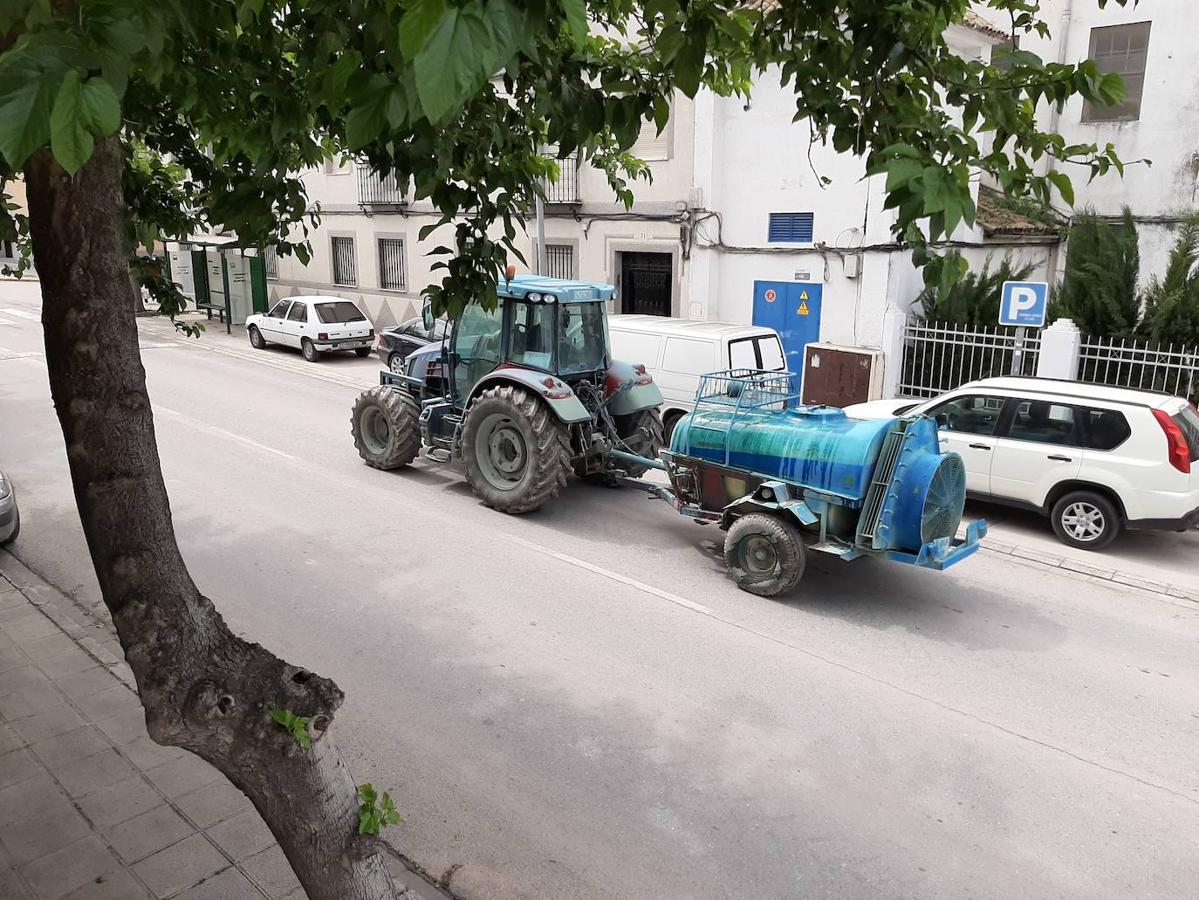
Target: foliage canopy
x: 460, y: 96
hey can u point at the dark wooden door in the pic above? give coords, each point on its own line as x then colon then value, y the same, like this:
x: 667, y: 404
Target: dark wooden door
x: 645, y: 283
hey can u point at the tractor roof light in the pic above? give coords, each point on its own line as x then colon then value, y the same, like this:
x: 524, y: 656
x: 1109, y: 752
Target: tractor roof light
x: 550, y: 298
x: 533, y: 297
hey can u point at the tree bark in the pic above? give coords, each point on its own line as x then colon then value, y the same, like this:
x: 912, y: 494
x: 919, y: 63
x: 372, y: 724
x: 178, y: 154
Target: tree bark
x: 203, y: 688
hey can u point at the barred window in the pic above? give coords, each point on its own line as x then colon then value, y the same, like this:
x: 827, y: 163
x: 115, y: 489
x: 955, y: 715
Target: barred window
x: 345, y: 266
x: 270, y: 263
x: 393, y: 270
x: 559, y: 260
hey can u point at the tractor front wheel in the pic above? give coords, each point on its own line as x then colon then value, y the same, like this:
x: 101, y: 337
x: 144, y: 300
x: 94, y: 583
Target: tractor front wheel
x: 641, y: 433
x: 765, y: 554
x: 386, y: 427
x: 515, y: 451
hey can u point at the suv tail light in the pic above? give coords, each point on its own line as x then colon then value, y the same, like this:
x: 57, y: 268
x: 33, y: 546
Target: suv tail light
x: 1179, y: 450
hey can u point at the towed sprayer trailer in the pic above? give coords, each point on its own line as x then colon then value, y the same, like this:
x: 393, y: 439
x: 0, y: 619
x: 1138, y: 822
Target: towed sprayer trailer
x: 780, y: 478
x: 526, y: 393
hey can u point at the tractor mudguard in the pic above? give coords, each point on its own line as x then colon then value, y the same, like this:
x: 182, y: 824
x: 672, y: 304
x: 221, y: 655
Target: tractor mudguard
x: 631, y: 389
x: 556, y: 393
x: 770, y: 496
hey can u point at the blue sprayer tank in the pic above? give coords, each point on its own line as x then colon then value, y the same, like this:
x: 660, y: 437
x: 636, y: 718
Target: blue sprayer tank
x: 907, y: 493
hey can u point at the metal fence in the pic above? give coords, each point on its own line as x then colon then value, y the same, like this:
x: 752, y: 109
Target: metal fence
x: 939, y: 358
x: 566, y: 188
x: 1120, y: 362
x: 378, y: 190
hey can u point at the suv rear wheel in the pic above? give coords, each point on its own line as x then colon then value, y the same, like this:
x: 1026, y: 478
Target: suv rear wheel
x: 1086, y: 520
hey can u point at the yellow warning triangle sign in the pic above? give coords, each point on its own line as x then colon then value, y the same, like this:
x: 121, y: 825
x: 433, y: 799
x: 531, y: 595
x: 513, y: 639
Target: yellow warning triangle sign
x: 803, y: 308
x: 803, y: 295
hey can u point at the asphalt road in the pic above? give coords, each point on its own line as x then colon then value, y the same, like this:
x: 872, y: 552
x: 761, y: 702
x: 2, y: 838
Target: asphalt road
x: 578, y: 703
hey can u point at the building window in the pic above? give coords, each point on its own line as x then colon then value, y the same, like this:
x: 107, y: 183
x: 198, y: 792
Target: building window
x: 1124, y: 50
x: 791, y: 228
x: 345, y: 266
x: 559, y: 261
x: 270, y: 263
x: 650, y: 145
x: 393, y: 272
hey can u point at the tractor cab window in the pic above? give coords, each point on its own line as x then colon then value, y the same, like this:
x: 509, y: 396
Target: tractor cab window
x: 477, y: 345
x: 533, y: 335
x: 583, y: 338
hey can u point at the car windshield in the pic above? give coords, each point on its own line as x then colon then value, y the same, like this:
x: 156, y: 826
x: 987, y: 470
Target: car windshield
x: 582, y: 337
x: 339, y: 311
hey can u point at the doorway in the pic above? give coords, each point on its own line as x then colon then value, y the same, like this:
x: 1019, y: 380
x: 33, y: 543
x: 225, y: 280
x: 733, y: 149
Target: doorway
x: 793, y: 310
x: 645, y: 282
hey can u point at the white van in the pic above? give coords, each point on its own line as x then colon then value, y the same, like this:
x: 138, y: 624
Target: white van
x: 678, y: 351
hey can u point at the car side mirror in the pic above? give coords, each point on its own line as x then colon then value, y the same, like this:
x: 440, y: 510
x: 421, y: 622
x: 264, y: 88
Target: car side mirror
x: 426, y: 317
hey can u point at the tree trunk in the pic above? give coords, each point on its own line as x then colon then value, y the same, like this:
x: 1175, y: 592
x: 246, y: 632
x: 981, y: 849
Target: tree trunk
x: 203, y: 688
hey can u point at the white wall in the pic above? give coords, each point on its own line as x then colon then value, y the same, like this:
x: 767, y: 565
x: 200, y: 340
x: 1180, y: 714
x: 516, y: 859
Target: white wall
x: 1166, y: 131
x: 599, y: 228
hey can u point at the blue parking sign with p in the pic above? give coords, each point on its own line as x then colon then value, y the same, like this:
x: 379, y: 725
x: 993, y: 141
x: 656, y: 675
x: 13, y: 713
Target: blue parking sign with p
x: 1024, y: 303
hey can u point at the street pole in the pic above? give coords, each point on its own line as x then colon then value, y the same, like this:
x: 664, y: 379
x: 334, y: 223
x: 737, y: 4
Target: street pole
x: 540, y: 250
x: 1018, y: 355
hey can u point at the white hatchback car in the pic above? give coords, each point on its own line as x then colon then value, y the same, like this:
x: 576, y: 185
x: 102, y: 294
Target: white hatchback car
x: 314, y: 325
x: 1095, y: 459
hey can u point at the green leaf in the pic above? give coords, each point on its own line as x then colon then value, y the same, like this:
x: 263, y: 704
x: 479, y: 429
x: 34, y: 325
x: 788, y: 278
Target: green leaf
x: 576, y: 20
x: 101, y: 107
x: 420, y: 20
x: 26, y: 96
x: 296, y: 725
x: 448, y: 69
x: 1062, y: 182
x: 900, y: 171
x: 936, y: 189
x: 70, y: 140
x: 505, y: 23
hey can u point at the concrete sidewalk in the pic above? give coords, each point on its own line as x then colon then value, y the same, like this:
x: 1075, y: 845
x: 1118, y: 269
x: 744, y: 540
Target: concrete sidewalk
x: 90, y: 807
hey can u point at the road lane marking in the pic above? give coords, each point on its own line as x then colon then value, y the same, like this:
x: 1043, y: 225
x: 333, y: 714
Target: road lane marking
x: 21, y: 313
x: 608, y: 573
x: 205, y: 428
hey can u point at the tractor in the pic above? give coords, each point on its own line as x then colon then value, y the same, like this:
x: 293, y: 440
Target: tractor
x: 522, y: 395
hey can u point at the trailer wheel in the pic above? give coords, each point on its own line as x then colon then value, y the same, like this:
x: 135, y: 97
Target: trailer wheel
x: 386, y: 427
x: 515, y: 451
x: 642, y: 435
x: 765, y: 554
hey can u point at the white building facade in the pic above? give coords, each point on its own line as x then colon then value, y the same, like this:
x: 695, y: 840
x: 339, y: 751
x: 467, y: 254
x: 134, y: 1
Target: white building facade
x: 737, y: 225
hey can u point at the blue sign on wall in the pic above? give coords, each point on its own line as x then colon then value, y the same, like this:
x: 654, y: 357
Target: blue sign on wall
x: 1024, y: 303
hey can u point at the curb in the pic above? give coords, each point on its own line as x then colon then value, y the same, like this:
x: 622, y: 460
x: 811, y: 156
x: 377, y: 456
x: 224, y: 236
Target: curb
x: 1077, y: 569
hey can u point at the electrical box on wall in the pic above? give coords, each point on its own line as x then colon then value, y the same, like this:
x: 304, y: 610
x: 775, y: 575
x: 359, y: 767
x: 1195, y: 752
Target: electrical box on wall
x: 839, y: 376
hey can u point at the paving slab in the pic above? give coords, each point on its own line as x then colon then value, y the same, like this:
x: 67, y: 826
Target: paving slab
x: 180, y: 865
x: 147, y: 833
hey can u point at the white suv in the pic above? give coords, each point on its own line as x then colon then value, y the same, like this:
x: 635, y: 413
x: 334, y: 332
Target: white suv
x: 1094, y: 459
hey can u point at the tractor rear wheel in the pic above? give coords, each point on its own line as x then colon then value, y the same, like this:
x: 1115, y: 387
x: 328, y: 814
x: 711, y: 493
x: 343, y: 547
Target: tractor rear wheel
x: 515, y: 451
x: 642, y: 434
x: 386, y: 427
x: 765, y: 554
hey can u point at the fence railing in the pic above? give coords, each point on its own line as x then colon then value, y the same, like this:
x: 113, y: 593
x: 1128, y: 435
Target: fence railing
x: 1122, y: 362
x: 379, y: 190
x: 939, y: 358
x: 566, y: 188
